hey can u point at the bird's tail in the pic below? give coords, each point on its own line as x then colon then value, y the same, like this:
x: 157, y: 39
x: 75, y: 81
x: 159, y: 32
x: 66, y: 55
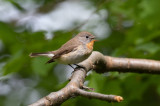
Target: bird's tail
x: 47, y: 54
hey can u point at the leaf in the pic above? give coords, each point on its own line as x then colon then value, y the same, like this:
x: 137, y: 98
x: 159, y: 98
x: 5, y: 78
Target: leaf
x: 149, y: 47
x: 39, y: 67
x: 15, y: 63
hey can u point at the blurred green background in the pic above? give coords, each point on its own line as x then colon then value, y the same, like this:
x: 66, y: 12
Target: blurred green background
x: 124, y: 28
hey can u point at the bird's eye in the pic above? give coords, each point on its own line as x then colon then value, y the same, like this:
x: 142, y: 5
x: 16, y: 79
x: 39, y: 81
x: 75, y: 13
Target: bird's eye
x: 87, y: 36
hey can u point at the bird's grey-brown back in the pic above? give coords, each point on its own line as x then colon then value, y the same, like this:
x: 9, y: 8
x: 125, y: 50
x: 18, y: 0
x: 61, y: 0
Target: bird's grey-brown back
x: 81, y: 38
x: 71, y: 45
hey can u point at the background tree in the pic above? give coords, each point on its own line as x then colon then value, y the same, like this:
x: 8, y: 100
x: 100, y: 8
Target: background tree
x: 125, y: 28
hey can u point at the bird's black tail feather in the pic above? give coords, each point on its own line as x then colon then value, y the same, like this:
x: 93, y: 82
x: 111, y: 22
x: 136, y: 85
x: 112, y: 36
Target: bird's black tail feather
x: 50, y: 61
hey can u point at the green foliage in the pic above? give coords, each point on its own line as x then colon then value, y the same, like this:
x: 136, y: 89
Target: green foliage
x: 135, y: 33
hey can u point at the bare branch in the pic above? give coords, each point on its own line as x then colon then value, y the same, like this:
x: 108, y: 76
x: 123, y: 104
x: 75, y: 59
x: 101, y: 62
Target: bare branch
x: 109, y: 98
x: 100, y: 64
x: 133, y: 65
x: 56, y: 98
x: 71, y: 89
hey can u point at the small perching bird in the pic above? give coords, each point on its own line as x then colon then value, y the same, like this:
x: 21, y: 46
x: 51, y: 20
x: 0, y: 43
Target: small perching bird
x: 74, y: 51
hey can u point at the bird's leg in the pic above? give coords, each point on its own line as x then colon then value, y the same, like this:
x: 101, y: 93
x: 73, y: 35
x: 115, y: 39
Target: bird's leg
x: 72, y: 71
x: 79, y: 66
x: 71, y: 66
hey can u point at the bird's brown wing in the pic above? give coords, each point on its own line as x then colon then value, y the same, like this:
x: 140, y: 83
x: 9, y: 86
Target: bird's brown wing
x: 60, y: 52
x: 66, y: 48
x: 69, y: 46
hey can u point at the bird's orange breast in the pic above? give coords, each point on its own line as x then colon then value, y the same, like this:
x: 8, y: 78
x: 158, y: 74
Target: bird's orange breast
x: 90, y: 45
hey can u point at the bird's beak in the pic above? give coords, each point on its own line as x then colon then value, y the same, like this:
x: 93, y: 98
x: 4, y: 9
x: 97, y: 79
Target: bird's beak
x: 94, y: 40
x: 93, y: 37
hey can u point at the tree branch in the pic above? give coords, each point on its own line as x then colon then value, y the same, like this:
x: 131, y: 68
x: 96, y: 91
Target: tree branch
x: 73, y: 88
x: 109, y: 98
x: 100, y: 64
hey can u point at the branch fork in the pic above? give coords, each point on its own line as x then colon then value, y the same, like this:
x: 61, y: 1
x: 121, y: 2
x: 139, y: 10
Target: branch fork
x: 74, y: 88
x: 100, y: 64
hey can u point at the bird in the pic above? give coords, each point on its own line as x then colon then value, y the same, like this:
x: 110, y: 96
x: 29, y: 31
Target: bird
x: 73, y: 51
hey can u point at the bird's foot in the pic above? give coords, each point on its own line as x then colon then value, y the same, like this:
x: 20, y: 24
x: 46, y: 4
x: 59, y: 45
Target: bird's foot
x: 78, y: 66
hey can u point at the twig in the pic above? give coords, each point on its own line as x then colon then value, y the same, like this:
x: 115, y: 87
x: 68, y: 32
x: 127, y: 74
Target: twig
x: 109, y: 98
